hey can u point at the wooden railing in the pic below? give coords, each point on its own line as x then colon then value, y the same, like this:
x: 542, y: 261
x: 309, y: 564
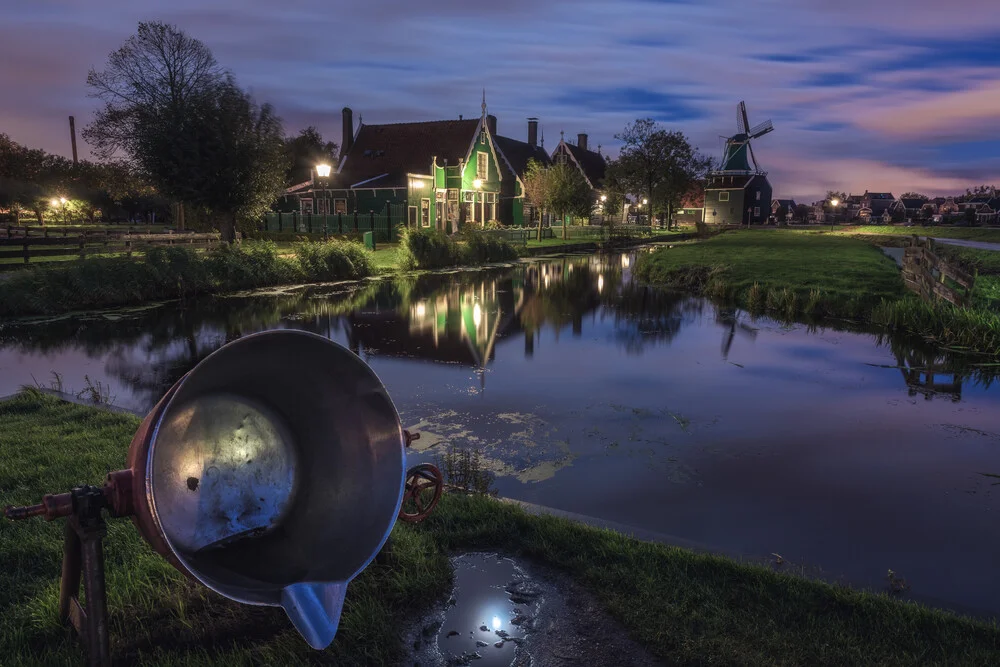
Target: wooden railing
x: 928, y: 275
x: 87, y: 243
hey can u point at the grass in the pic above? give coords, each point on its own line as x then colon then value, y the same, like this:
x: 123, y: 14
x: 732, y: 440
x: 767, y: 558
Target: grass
x: 175, y: 272
x: 686, y: 608
x: 433, y: 249
x: 778, y: 271
x: 789, y: 274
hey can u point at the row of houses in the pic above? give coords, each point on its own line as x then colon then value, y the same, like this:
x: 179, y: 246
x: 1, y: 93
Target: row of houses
x: 445, y: 173
x: 884, y: 207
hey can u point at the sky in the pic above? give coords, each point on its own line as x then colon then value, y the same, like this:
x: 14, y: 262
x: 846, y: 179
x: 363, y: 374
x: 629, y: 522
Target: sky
x: 883, y: 95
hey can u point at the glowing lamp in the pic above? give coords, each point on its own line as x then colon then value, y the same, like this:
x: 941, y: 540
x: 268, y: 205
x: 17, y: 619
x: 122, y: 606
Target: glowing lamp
x: 604, y: 198
x: 645, y: 201
x: 835, y: 202
x: 478, y: 183
x: 54, y: 202
x: 62, y: 200
x: 323, y: 170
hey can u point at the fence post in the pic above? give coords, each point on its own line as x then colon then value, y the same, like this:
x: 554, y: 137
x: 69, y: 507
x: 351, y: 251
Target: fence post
x: 355, y: 220
x: 27, y: 252
x: 128, y: 244
x: 83, y: 242
x: 340, y: 223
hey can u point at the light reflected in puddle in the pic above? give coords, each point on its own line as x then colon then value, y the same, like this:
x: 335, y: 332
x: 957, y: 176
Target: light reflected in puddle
x: 494, y: 605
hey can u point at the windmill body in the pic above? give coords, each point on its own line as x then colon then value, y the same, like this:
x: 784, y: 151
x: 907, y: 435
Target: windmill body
x: 739, y: 193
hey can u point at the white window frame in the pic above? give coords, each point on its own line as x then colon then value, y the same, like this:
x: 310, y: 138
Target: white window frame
x: 469, y: 197
x: 482, y: 165
x: 425, y: 207
x: 723, y: 196
x: 306, y: 205
x: 340, y: 206
x: 491, y: 197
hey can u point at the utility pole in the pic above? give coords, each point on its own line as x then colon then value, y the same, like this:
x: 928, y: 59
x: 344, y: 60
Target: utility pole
x: 72, y: 136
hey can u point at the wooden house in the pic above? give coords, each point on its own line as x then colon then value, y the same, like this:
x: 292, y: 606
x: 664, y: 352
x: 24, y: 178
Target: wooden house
x: 591, y: 164
x: 909, y: 208
x: 783, y: 209
x: 445, y: 173
x: 875, y: 204
x: 989, y: 212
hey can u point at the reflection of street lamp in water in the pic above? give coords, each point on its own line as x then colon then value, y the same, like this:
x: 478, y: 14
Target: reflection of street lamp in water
x: 477, y: 315
x: 600, y: 284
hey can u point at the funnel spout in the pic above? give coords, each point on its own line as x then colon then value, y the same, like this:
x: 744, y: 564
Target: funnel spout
x: 314, y: 609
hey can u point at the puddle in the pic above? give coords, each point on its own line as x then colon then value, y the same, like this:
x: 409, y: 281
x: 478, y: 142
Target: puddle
x: 503, y: 613
x: 485, y: 623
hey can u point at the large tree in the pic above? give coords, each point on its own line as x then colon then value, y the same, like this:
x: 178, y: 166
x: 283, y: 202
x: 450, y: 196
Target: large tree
x: 244, y: 141
x: 305, y: 151
x: 569, y: 193
x: 153, y: 88
x: 914, y: 195
x: 657, y: 164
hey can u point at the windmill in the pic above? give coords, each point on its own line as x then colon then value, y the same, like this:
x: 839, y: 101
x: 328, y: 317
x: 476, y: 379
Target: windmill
x: 738, y: 145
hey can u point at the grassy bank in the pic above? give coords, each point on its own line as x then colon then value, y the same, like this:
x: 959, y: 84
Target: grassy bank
x: 791, y: 274
x: 686, y: 608
x: 175, y: 272
x: 787, y: 273
x: 433, y: 249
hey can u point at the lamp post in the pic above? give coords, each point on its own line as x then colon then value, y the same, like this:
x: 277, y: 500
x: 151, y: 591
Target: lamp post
x: 323, y: 172
x: 834, y: 203
x: 604, y: 207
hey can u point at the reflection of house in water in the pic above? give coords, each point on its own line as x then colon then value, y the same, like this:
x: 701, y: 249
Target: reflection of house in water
x: 458, y: 323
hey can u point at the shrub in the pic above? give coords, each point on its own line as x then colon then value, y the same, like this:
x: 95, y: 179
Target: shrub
x: 484, y: 248
x: 428, y: 249
x: 334, y: 260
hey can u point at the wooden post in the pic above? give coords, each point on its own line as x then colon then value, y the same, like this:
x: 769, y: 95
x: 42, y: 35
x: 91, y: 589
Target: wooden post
x: 27, y: 252
x: 83, y: 241
x: 128, y: 244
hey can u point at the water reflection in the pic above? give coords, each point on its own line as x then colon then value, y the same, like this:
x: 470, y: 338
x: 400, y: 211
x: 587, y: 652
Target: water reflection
x: 455, y: 318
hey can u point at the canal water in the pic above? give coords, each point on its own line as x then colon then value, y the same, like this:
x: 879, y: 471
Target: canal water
x: 587, y: 392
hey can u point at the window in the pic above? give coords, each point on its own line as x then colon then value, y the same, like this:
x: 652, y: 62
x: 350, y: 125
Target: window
x: 482, y: 165
x: 340, y: 206
x: 453, y: 195
x: 324, y: 206
x: 756, y: 210
x: 425, y: 212
x: 723, y: 196
x: 758, y: 195
x: 305, y: 206
x: 412, y: 216
x: 491, y: 197
x: 469, y: 197
x: 491, y: 212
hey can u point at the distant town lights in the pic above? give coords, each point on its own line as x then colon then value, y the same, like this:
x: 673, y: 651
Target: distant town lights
x: 323, y: 170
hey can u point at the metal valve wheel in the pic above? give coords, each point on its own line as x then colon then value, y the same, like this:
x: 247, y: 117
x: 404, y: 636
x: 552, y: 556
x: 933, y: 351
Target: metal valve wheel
x: 424, y: 485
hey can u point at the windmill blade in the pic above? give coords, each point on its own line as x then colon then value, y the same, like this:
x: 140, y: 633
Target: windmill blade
x: 746, y: 122
x: 741, y: 118
x: 752, y: 156
x: 761, y: 129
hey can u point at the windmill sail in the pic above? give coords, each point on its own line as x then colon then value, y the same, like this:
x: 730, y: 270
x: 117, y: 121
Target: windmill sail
x: 739, y: 153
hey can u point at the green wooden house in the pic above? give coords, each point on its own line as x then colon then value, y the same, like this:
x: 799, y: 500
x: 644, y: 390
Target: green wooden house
x: 444, y: 174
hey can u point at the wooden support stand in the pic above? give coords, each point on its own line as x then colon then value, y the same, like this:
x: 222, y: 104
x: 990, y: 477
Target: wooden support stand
x: 83, y: 558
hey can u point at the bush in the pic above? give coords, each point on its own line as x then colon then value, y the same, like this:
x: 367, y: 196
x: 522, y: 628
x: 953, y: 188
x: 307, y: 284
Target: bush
x: 334, y: 260
x: 484, y: 248
x: 428, y: 249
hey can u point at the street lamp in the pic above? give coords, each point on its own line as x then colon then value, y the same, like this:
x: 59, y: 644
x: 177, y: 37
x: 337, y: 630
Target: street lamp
x: 834, y: 202
x: 323, y: 172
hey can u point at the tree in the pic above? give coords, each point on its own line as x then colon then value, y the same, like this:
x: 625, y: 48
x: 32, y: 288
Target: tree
x: 244, y: 141
x: 841, y: 197
x: 981, y: 190
x: 657, y: 164
x: 568, y: 193
x: 536, y: 189
x: 305, y: 151
x: 914, y: 195
x: 151, y: 89
x: 802, y: 212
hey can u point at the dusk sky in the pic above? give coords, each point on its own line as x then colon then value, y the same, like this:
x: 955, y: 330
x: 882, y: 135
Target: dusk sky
x: 885, y: 95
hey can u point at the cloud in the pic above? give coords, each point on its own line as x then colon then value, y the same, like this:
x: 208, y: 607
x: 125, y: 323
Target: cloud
x: 833, y: 79
x: 953, y: 115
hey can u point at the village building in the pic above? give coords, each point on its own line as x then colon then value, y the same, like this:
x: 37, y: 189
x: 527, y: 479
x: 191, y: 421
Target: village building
x: 515, y: 156
x: 876, y: 205
x: 737, y: 194
x: 591, y: 164
x: 909, y: 208
x: 783, y: 209
x: 443, y: 174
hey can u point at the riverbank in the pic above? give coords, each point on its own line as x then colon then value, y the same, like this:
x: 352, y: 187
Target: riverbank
x: 684, y: 607
x: 792, y: 274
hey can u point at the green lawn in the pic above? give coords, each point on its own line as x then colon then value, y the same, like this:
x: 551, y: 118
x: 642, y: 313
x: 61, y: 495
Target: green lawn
x: 820, y: 272
x: 685, y: 607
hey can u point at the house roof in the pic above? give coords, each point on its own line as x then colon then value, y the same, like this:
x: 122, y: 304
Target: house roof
x: 382, y: 155
x: 878, y: 206
x: 992, y: 205
x: 855, y: 199
x: 516, y: 154
x: 787, y: 203
x: 593, y: 165
x: 879, y: 195
x: 913, y: 203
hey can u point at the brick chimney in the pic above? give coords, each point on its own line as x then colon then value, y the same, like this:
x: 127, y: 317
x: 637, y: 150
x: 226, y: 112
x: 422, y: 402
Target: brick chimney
x: 347, y: 138
x: 491, y: 123
x: 581, y: 141
x: 533, y: 131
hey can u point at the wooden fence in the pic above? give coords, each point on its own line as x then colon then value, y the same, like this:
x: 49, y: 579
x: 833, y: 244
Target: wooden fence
x: 93, y: 243
x: 383, y: 224
x: 931, y: 277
